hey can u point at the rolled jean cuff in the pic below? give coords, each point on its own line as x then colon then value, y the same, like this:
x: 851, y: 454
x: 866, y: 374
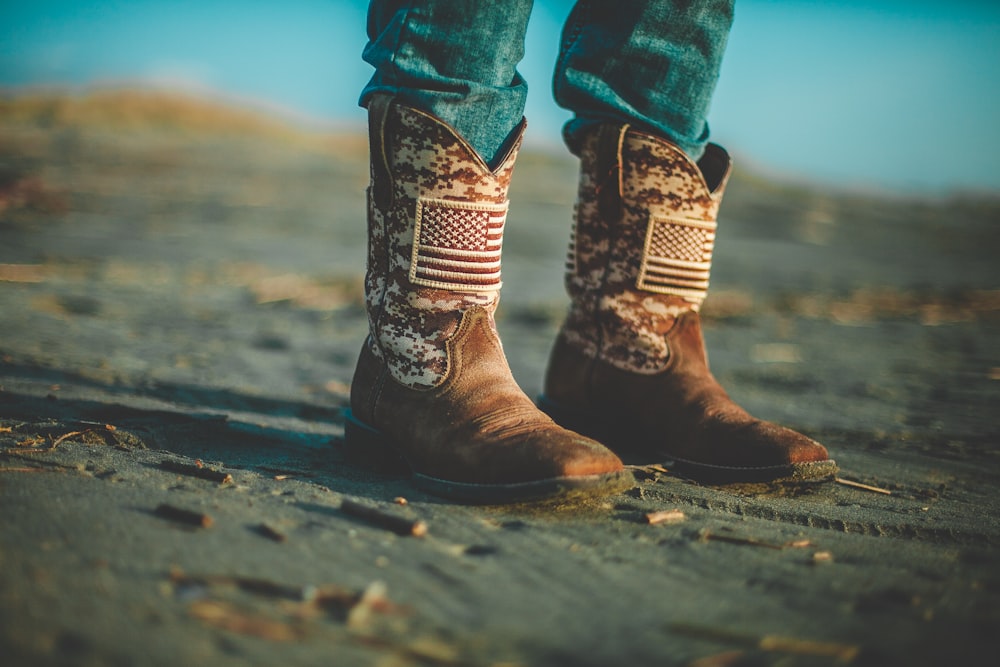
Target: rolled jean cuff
x: 650, y: 63
x: 454, y: 59
x: 485, y: 118
x: 577, y: 128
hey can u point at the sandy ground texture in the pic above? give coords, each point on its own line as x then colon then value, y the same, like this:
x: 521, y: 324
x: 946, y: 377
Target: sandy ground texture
x: 181, y: 312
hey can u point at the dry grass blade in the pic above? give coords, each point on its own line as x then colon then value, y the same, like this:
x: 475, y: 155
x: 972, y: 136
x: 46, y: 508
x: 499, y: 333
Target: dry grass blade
x: 844, y: 652
x: 226, y: 616
x: 67, y: 436
x: 734, y: 539
x: 196, y: 471
x: 863, y: 487
x: 771, y: 643
x: 22, y: 273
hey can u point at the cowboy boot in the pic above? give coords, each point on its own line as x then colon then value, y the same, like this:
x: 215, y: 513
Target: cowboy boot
x: 629, y: 366
x: 432, y: 386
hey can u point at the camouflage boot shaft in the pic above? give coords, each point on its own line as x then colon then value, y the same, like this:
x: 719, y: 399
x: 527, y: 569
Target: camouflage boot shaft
x: 436, y: 216
x: 641, y: 249
x: 629, y: 368
x: 432, y: 388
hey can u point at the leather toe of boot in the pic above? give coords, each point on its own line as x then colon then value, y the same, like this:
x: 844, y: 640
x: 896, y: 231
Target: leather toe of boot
x: 756, y: 451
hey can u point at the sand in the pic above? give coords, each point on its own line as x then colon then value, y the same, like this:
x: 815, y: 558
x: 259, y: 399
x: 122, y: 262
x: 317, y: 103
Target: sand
x: 190, y: 293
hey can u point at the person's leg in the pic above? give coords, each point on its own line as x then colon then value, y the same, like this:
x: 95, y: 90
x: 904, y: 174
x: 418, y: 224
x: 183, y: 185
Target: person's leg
x: 652, y: 64
x: 432, y: 385
x: 629, y: 367
x: 454, y: 59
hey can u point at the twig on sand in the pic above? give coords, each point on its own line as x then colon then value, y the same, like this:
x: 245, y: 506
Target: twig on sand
x: 397, y: 524
x: 257, y: 586
x: 22, y: 273
x: 859, y: 485
x: 777, y: 643
x: 647, y: 472
x: 227, y: 616
x: 31, y: 442
x: 665, y: 516
x: 196, y: 471
x: 357, y: 609
x: 183, y: 516
x: 271, y: 533
x: 772, y: 643
x: 66, y: 436
x: 706, y: 535
x: 369, y: 602
x: 282, y: 474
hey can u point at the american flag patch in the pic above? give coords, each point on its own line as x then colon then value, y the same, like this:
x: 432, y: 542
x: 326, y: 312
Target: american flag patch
x: 677, y: 257
x: 456, y: 245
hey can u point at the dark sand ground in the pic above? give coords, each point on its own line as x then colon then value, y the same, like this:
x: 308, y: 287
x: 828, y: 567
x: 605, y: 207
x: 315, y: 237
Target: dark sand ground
x: 184, y: 285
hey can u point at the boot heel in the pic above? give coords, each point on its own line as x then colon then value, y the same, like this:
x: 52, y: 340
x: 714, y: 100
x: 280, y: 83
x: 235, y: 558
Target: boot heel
x: 368, y: 447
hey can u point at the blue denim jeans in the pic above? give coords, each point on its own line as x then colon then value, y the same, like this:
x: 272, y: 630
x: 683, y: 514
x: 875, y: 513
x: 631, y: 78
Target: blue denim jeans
x: 651, y: 63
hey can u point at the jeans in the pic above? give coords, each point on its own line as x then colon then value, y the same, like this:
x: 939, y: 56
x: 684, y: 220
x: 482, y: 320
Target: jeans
x: 651, y: 63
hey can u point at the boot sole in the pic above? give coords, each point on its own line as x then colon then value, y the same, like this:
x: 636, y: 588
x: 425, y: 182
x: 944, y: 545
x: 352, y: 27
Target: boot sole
x: 814, y: 471
x: 370, y: 447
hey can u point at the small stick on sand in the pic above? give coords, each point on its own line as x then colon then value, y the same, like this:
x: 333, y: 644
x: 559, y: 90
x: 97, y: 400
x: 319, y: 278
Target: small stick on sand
x: 262, y: 587
x: 227, y: 616
x: 665, y: 516
x: 184, y: 516
x: 798, y: 544
x: 285, y: 473
x: 732, y: 539
x: 196, y: 471
x: 844, y: 652
x: 397, y: 524
x: 271, y: 533
x: 859, y: 485
x: 66, y: 436
x: 773, y: 643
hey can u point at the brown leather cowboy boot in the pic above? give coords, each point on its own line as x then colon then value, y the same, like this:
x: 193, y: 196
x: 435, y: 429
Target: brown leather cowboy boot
x: 432, y: 385
x: 629, y: 366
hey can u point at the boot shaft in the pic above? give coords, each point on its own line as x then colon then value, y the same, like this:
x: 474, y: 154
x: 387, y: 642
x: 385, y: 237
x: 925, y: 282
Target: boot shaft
x: 432, y: 386
x: 642, y: 243
x: 436, y: 216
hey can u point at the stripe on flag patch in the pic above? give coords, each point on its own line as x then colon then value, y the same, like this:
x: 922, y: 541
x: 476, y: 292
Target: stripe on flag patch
x: 677, y: 257
x: 456, y: 245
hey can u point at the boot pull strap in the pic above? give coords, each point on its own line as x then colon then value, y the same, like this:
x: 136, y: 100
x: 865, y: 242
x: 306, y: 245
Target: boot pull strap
x: 610, y: 144
x: 381, y: 172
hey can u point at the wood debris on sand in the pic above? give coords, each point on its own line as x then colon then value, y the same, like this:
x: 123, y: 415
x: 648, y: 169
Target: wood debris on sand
x: 195, y: 470
x: 379, y: 517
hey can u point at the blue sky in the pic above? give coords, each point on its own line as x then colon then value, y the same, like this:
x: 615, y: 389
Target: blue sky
x: 881, y: 94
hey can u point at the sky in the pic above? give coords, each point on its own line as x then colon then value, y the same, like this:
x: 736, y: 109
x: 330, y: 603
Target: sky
x: 886, y: 94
